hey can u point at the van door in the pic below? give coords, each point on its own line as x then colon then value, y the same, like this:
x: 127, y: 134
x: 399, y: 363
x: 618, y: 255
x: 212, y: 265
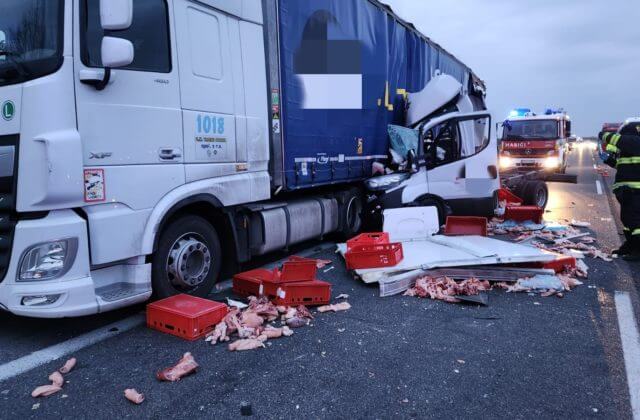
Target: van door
x: 136, y: 119
x: 461, y: 158
x: 210, y: 60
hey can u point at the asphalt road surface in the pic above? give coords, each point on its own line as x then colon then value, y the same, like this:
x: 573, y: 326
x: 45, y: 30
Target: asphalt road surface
x: 520, y: 357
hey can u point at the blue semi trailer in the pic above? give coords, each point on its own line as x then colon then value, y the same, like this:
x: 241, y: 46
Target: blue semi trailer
x: 340, y: 73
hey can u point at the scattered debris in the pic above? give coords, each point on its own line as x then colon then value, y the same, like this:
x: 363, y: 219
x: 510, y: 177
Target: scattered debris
x: 57, y: 381
x: 252, y: 324
x: 185, y: 366
x: 343, y: 306
x: 447, y: 289
x: 68, y: 366
x: 246, y: 344
x: 246, y: 409
x: 235, y: 304
x: 343, y: 296
x: 45, y: 390
x: 134, y: 396
x: 577, y: 223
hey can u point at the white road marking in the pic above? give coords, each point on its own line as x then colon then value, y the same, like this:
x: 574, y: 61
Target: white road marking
x: 630, y: 347
x: 599, y: 187
x: 55, y: 352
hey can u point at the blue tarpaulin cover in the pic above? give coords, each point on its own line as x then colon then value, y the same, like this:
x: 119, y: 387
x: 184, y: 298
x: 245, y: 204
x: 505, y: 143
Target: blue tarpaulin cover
x: 345, y: 68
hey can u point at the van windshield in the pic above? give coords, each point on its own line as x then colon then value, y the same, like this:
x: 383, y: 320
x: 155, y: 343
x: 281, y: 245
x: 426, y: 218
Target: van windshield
x: 540, y: 129
x: 31, y: 39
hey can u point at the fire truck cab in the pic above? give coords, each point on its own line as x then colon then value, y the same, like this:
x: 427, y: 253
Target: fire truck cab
x: 535, y: 142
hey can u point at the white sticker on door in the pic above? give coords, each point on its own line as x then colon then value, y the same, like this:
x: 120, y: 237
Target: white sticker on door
x: 94, y: 188
x: 214, y: 138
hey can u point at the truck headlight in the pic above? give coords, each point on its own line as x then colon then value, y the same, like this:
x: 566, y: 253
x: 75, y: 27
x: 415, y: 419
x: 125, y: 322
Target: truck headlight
x: 506, y: 162
x: 385, y: 182
x: 48, y: 261
x: 551, y: 162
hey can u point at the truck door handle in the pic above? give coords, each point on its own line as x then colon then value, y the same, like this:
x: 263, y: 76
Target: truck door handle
x: 169, y: 154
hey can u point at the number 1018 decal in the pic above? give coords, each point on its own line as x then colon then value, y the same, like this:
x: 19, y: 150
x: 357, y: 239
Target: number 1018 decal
x: 209, y: 125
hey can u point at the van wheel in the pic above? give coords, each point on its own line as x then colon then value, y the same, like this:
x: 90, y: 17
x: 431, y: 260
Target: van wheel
x: 351, y: 215
x: 187, y: 259
x: 536, y: 193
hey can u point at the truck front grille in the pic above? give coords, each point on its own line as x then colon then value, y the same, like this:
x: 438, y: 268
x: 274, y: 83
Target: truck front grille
x: 529, y: 153
x: 8, y: 187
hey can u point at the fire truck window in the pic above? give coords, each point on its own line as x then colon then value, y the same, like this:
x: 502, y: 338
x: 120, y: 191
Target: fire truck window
x: 149, y: 35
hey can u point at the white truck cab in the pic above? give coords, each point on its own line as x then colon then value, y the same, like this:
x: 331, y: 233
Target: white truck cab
x: 107, y: 124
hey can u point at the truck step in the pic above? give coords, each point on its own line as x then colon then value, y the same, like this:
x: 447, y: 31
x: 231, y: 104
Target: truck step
x: 120, y: 291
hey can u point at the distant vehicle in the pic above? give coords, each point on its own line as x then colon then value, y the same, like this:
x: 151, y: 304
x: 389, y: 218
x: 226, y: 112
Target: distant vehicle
x: 532, y: 142
x: 572, y: 140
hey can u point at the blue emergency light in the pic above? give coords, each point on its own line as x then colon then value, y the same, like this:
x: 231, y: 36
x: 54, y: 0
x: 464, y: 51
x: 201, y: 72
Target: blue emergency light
x: 520, y: 112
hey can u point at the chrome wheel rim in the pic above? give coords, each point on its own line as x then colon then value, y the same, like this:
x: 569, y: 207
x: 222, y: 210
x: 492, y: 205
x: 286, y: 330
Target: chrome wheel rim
x: 189, y: 262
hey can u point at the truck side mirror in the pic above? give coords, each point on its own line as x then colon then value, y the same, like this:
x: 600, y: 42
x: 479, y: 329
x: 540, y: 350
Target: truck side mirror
x: 116, y: 52
x: 116, y: 15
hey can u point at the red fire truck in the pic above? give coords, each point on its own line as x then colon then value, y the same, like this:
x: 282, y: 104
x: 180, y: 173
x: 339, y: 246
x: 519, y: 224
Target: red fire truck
x: 535, y: 142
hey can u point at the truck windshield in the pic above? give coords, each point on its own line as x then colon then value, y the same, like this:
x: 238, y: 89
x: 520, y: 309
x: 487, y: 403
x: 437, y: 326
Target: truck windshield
x: 541, y: 129
x: 31, y: 39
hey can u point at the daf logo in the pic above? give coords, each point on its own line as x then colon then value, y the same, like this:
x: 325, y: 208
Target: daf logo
x: 99, y: 155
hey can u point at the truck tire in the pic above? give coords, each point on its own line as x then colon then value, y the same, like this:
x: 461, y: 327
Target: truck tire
x: 535, y: 193
x: 187, y: 260
x: 351, y: 214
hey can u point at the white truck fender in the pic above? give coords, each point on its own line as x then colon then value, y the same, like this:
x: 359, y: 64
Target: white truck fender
x: 227, y: 191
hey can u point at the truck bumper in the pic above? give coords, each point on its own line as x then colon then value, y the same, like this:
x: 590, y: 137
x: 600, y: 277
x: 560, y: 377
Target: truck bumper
x: 71, y: 295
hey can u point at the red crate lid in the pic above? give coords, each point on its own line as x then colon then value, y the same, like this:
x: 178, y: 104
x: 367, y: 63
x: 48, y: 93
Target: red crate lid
x: 186, y: 305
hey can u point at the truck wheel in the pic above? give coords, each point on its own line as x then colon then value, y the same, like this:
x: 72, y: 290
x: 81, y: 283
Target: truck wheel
x: 535, y: 193
x: 187, y: 259
x: 351, y: 215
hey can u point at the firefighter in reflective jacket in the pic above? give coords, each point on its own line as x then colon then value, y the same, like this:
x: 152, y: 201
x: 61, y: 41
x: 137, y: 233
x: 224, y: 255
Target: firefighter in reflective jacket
x: 624, y: 155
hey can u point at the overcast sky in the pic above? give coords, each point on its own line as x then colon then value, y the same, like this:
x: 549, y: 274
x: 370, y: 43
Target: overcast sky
x: 583, y: 55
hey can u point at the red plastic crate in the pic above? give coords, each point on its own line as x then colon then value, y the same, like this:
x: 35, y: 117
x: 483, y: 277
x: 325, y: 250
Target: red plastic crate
x: 376, y: 238
x: 296, y: 271
x: 291, y: 273
x: 524, y: 213
x: 505, y: 194
x: 309, y: 293
x: 250, y: 283
x: 185, y: 316
x: 374, y: 256
x: 459, y: 225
